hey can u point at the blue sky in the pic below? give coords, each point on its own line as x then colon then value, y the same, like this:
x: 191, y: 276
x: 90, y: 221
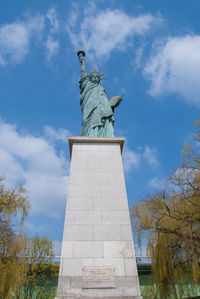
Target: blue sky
x: 149, y: 52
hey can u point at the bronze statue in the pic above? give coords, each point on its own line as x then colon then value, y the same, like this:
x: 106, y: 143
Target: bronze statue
x: 97, y: 109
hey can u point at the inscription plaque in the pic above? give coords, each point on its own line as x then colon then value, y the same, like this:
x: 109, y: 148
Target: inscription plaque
x: 98, y: 278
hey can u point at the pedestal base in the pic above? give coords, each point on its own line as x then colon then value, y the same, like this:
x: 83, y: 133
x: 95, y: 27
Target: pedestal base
x: 115, y: 297
x: 97, y: 258
x: 72, y: 288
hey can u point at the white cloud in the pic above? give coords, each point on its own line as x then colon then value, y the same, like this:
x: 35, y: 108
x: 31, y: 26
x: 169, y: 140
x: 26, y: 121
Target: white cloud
x: 52, y: 47
x: 35, y: 24
x: 14, y: 42
x: 34, y: 161
x: 130, y: 159
x: 156, y: 183
x: 175, y: 68
x: 138, y: 58
x: 52, y: 17
x: 52, y: 44
x: 15, y: 39
x: 150, y: 156
x: 100, y: 32
x: 60, y: 134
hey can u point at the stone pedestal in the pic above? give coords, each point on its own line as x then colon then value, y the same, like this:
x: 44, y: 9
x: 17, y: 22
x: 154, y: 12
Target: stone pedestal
x: 97, y: 258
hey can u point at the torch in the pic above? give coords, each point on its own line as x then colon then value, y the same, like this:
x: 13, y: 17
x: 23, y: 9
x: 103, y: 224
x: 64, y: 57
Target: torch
x: 81, y: 54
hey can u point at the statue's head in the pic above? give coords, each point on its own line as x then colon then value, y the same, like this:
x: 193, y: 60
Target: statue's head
x: 94, y: 77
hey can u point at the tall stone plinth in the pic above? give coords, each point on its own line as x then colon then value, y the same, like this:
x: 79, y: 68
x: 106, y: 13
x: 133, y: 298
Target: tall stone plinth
x: 97, y: 258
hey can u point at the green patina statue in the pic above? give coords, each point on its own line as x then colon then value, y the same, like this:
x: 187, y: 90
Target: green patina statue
x: 97, y: 109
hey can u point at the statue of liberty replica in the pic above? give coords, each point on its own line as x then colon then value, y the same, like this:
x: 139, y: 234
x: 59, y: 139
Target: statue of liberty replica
x: 97, y: 108
x: 97, y: 257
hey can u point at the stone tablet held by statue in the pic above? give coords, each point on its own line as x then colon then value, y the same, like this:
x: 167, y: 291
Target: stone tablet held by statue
x: 97, y: 109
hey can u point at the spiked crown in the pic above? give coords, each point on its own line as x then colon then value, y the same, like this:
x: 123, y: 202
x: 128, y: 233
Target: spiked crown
x: 96, y: 72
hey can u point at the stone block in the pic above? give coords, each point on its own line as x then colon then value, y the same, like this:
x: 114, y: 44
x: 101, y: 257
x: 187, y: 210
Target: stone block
x: 74, y: 266
x: 111, y: 167
x: 71, y: 267
x: 110, y: 203
x: 105, y: 203
x: 103, y: 179
x: 80, y: 190
x: 94, y: 165
x: 83, y: 217
x: 88, y: 249
x: 107, y: 232
x: 116, y: 217
x: 117, y: 249
x: 129, y: 286
x: 130, y: 267
x: 80, y: 203
x: 78, y: 232
x: 102, y: 190
x: 119, y: 179
x: 76, y: 283
x: 88, y: 262
x: 67, y: 249
x: 122, y: 203
x: 81, y: 178
x: 108, y: 190
x: 64, y: 285
x: 126, y: 232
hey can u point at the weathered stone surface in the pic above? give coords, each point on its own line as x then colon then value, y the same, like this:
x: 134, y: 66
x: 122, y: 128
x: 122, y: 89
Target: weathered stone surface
x: 117, y: 249
x: 97, y: 232
x: 115, y: 217
x: 67, y: 249
x: 73, y: 266
x: 130, y: 267
x: 124, y: 288
x: 78, y: 232
x: 126, y: 232
x: 88, y: 249
x: 107, y: 232
x: 83, y: 217
x: 110, y: 297
x: 80, y: 203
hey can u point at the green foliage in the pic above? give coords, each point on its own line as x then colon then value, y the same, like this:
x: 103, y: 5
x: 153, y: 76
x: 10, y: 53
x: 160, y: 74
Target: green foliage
x: 13, y: 209
x: 170, y: 221
x: 26, y: 265
x: 41, y: 270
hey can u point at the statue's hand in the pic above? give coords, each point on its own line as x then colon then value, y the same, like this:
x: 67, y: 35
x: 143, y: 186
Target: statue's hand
x: 81, y: 58
x: 115, y: 101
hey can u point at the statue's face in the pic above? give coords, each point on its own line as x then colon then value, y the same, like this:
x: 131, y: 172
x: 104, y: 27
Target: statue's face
x: 94, y: 78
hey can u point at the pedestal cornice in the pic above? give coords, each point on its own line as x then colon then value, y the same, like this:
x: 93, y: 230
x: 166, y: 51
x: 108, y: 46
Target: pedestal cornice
x: 103, y: 140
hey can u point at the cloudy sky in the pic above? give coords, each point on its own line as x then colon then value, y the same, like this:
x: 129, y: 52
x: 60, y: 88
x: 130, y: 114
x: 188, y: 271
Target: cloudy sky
x: 149, y: 52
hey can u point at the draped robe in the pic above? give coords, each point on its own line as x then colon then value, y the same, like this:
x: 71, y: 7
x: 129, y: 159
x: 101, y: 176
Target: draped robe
x: 96, y: 109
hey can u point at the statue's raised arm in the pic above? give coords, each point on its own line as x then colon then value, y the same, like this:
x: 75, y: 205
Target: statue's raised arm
x: 97, y: 109
x: 81, y: 55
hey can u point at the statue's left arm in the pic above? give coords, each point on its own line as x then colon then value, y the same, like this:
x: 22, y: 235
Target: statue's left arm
x: 115, y: 101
